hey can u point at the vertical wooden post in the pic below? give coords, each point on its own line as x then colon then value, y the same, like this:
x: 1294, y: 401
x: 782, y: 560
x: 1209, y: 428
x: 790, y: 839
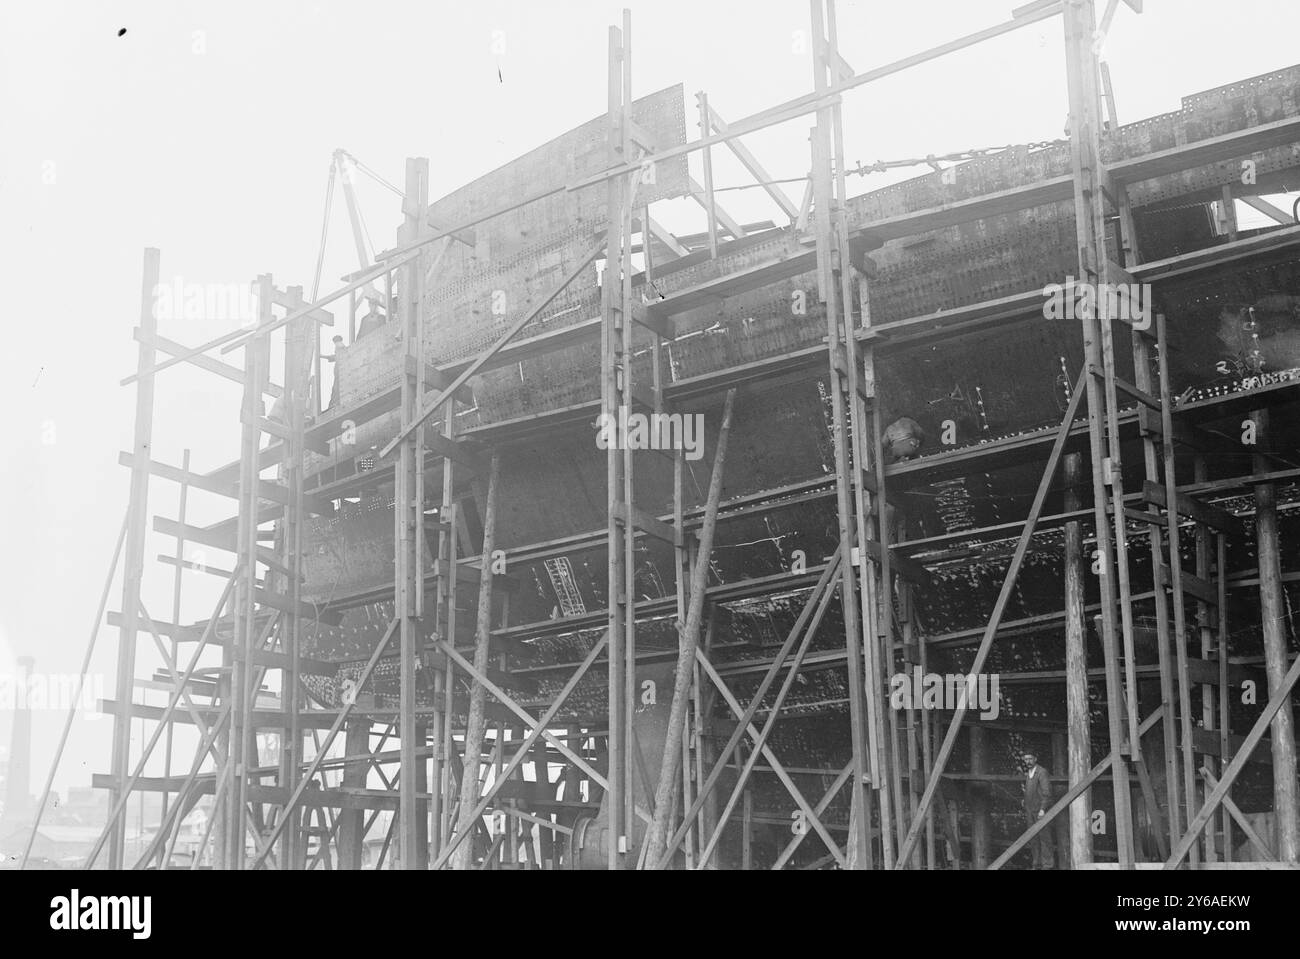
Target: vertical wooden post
x: 1081, y: 75
x: 133, y: 566
x: 682, y: 575
x: 981, y: 823
x: 688, y: 641
x: 1205, y: 629
x: 449, y: 523
x: 1221, y: 645
x: 626, y: 362
x: 917, y: 768
x: 1078, y: 721
x: 747, y: 831
x: 1060, y: 826
x: 351, y: 821
x: 1273, y: 616
x: 707, y: 754
x: 408, y: 514
x: 615, y: 340
x: 173, y: 644
x: 865, y: 730
x: 1183, y: 681
x: 300, y: 345
x: 476, y: 721
x: 243, y: 741
x: 710, y: 201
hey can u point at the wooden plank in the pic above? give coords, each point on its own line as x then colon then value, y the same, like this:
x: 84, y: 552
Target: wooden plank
x: 465, y: 453
x: 1192, y: 585
x: 210, y: 570
x: 1238, y: 482
x: 1017, y: 198
x: 736, y: 282
x: 1240, y: 403
x: 1211, y: 516
x: 267, y: 457
x: 646, y: 315
x: 1230, y: 146
x: 293, y: 304
x: 1206, y: 671
x: 260, y: 718
x: 181, y: 634
x: 755, y: 168
x: 994, y: 455
x: 467, y: 575
x: 986, y: 314
x: 661, y: 233
x: 729, y: 222
x: 1143, y: 397
x: 218, y: 539
x: 201, y: 360
x: 264, y: 597
x: 435, y: 380
x: 907, y: 567
x: 638, y: 518
x: 1276, y: 214
x: 1282, y: 240
x: 760, y: 371
x: 276, y: 660
x: 267, y: 491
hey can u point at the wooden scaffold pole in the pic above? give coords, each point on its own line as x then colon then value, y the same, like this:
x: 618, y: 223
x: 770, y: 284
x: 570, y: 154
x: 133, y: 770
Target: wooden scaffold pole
x: 860, y: 619
x: 687, y: 644
x: 1081, y: 74
x: 476, y: 721
x: 408, y: 512
x: 136, y: 532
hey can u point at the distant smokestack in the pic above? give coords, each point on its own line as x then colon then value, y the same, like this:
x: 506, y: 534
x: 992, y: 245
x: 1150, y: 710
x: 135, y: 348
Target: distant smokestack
x: 18, y: 800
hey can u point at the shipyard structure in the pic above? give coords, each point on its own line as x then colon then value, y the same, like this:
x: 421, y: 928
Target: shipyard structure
x: 781, y: 545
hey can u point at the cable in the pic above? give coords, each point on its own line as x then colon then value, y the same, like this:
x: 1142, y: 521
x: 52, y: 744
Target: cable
x: 324, y: 230
x: 365, y: 231
x: 932, y: 160
x: 371, y: 173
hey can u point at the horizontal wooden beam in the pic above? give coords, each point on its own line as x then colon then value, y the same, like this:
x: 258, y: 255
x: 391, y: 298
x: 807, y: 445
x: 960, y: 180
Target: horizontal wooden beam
x: 267, y: 491
x: 291, y: 303
x: 464, y: 452
x: 1189, y: 506
x: 1238, y: 145
x: 202, y: 361
x: 634, y: 516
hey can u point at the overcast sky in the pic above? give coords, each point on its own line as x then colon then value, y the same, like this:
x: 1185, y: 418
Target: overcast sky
x: 206, y: 130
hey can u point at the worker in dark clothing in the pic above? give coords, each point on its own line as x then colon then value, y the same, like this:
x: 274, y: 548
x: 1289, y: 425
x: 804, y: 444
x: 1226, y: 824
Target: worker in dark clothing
x: 374, y: 320
x: 902, y: 439
x: 334, y: 358
x: 1038, y: 797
